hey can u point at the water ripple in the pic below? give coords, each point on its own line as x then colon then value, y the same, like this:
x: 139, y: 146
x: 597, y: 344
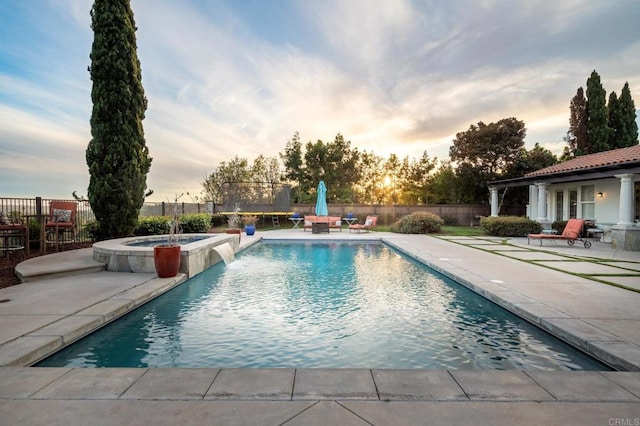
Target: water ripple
x: 309, y: 305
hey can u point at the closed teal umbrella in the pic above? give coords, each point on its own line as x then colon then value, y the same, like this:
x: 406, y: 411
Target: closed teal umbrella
x: 321, y: 202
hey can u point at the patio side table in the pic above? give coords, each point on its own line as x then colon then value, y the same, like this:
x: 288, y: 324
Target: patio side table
x: 14, y: 237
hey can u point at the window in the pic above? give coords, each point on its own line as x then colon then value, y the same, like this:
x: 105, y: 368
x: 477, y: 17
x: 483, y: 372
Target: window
x: 573, y: 204
x: 559, y: 205
x: 588, y: 202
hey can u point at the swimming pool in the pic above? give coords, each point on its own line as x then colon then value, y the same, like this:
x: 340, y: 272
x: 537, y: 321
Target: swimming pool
x: 322, y: 305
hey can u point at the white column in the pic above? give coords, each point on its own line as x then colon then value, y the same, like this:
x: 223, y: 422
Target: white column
x: 542, y: 202
x: 495, y: 205
x: 626, y: 199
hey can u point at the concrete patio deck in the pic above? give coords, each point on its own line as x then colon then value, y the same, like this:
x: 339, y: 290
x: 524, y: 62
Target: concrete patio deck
x: 41, y: 316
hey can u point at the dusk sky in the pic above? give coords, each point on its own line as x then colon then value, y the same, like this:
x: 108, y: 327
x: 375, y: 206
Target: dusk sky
x: 228, y: 78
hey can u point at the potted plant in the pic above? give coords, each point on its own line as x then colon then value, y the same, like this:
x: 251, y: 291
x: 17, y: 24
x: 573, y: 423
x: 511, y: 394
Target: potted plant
x: 166, y: 257
x: 250, y: 224
x: 234, y: 223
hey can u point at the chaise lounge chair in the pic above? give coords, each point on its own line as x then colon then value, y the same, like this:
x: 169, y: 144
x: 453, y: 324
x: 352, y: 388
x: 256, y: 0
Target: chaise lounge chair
x: 571, y: 234
x: 369, y: 223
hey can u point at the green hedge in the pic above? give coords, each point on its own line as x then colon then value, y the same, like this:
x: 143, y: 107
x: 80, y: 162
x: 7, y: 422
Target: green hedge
x: 197, y: 223
x: 510, y: 226
x: 218, y: 220
x: 152, y: 225
x: 418, y: 223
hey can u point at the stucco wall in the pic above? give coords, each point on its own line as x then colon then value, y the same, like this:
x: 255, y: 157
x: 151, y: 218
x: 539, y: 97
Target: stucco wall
x: 606, y: 208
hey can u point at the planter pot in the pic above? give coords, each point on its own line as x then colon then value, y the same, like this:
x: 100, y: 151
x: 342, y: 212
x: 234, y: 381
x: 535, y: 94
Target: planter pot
x: 167, y: 260
x: 250, y: 229
x: 235, y: 231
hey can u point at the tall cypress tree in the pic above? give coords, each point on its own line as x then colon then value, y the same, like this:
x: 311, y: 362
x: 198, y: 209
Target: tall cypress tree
x: 117, y: 155
x: 615, y: 119
x: 597, y: 128
x: 628, y: 127
x: 578, y: 120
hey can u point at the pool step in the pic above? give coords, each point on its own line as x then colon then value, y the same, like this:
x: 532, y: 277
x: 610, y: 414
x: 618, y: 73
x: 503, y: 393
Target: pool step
x: 56, y: 265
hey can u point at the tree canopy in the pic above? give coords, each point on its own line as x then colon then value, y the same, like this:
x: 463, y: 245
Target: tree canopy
x: 577, y: 137
x: 483, y: 153
x: 598, y: 130
x: 596, y: 126
x: 626, y: 125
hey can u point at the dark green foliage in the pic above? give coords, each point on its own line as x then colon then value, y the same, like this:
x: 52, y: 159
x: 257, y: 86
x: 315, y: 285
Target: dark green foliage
x: 218, y: 220
x: 528, y: 161
x: 418, y: 223
x: 197, y: 223
x: 414, y: 179
x: 615, y: 117
x: 595, y: 126
x: 627, y: 127
x: 117, y: 155
x: 92, y: 230
x: 34, y: 233
x: 293, y: 165
x: 335, y: 163
x: 559, y: 225
x: 152, y: 225
x: 483, y: 153
x: 577, y: 137
x: 509, y: 226
x: 598, y: 130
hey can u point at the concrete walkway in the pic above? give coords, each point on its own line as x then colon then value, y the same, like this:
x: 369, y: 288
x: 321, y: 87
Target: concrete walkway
x: 578, y: 306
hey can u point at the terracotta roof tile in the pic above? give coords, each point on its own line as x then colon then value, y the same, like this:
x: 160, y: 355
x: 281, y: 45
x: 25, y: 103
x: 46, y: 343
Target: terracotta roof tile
x: 619, y: 156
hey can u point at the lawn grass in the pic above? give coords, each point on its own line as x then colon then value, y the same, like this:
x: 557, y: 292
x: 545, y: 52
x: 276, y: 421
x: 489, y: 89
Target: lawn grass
x: 463, y: 231
x: 456, y: 231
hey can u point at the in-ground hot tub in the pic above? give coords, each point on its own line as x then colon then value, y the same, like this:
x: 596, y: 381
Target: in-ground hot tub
x: 135, y: 254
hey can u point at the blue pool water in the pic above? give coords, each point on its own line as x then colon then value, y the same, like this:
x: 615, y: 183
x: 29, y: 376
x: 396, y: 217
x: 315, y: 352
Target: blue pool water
x: 182, y: 239
x: 322, y: 305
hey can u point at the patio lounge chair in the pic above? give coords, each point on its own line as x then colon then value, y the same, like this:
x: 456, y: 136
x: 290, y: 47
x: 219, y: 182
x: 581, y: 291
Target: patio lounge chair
x: 369, y: 223
x: 571, y: 234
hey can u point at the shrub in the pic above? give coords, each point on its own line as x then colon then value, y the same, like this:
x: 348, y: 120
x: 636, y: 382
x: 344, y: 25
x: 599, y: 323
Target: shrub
x: 510, y: 226
x: 152, y: 225
x: 159, y: 225
x: 418, y: 223
x: 92, y: 230
x: 218, y: 220
x: 197, y: 223
x: 34, y: 233
x: 559, y: 225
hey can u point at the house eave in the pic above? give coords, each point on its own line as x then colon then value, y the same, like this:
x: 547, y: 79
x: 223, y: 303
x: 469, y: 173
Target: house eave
x: 604, y: 172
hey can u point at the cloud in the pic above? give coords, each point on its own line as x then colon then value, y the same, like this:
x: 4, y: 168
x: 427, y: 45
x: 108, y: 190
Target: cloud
x: 227, y: 79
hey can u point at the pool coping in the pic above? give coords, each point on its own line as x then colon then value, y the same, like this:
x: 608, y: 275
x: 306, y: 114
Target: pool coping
x: 601, y: 344
x: 310, y: 396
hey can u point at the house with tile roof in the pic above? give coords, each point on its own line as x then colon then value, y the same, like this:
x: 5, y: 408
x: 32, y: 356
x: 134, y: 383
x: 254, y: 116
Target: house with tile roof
x: 603, y: 187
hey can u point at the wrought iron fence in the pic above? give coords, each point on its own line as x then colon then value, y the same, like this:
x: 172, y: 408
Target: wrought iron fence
x: 34, y: 212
